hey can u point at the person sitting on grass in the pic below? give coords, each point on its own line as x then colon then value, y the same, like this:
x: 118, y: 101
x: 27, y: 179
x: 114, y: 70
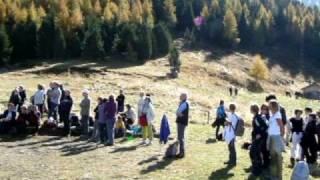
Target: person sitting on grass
x: 230, y: 136
x: 33, y: 120
x: 7, y: 119
x: 21, y: 122
x: 130, y: 117
x: 120, y: 129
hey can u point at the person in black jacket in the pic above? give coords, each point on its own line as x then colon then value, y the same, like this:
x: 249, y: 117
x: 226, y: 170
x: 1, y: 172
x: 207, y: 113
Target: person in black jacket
x: 65, y: 110
x: 297, y: 132
x: 15, y: 98
x: 308, y: 142
x: 120, y: 100
x: 182, y: 122
x: 259, y: 137
x: 8, y: 119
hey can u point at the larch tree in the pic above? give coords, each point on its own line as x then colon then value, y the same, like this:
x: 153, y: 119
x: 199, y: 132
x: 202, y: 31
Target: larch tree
x: 230, y: 28
x: 259, y: 69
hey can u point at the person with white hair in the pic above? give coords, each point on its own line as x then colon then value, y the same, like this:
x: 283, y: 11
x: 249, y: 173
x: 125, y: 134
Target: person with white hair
x: 85, y: 108
x: 182, y: 122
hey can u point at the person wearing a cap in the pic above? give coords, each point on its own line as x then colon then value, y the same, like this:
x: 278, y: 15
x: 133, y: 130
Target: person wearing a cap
x: 182, y: 122
x: 85, y: 108
x: 309, y: 141
x: 297, y: 132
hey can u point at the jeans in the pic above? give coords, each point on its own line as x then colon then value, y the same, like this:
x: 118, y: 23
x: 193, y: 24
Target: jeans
x: 232, y: 152
x: 181, y: 133
x: 103, y: 132
x: 40, y: 108
x: 147, y: 132
x: 110, y: 130
x: 275, y: 144
x: 296, y: 148
x: 53, y: 111
x: 85, y: 125
x: 96, y: 132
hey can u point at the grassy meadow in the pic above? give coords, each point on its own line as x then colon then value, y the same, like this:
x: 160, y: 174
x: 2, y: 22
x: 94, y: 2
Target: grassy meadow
x: 44, y: 157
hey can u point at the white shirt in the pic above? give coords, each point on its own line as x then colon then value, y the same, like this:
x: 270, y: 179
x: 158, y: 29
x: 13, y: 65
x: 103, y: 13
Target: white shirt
x: 39, y: 97
x: 274, y: 128
x: 229, y: 133
x: 140, y: 106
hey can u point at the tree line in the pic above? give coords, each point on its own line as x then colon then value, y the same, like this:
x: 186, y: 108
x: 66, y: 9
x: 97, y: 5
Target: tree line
x: 144, y: 29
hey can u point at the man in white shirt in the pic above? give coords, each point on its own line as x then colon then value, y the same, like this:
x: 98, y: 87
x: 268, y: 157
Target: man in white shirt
x: 230, y: 136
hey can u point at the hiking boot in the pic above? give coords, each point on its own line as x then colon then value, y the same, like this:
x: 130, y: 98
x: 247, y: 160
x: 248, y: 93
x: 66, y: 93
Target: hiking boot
x: 180, y: 156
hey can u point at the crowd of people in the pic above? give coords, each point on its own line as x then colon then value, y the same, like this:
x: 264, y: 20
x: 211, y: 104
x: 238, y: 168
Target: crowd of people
x: 271, y: 132
x: 113, y: 117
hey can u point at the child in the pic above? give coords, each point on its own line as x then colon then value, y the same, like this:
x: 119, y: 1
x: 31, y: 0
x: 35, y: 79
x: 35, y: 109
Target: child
x: 229, y: 135
x: 297, y: 130
x: 120, y: 128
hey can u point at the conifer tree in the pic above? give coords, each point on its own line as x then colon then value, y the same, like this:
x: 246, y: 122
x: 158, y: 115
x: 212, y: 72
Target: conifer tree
x: 5, y: 47
x: 59, y: 46
x: 230, y: 28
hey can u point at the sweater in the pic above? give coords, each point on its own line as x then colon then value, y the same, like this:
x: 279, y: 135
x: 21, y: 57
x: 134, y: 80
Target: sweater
x: 85, y: 107
x: 111, y: 110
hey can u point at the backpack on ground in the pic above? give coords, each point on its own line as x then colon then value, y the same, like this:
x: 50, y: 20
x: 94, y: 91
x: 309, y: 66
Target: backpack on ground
x: 172, y: 150
x: 300, y: 171
x: 239, y: 131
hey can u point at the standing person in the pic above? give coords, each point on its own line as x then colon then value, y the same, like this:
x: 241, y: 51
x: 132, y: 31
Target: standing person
x: 102, y: 120
x: 259, y: 136
x: 283, y: 114
x: 308, y: 142
x: 307, y: 112
x: 120, y: 100
x: 148, y: 115
x: 265, y: 115
x: 15, y: 98
x: 275, y: 139
x: 140, y: 104
x: 220, y: 117
x: 39, y: 98
x: 297, y: 132
x: 230, y: 136
x: 182, y: 122
x: 55, y: 97
x: 111, y: 113
x: 85, y: 108
x: 65, y: 110
x: 23, y: 94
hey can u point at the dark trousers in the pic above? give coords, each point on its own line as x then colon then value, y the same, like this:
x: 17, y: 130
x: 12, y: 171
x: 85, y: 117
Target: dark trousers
x: 265, y: 153
x: 256, y: 157
x: 64, y: 117
x: 181, y: 132
x: 53, y: 111
x: 310, y: 152
x: 232, y: 152
x: 110, y: 130
x: 40, y: 108
x: 103, y: 132
x: 84, y: 125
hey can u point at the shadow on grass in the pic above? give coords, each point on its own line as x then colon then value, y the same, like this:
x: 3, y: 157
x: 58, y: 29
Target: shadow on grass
x: 211, y: 141
x: 149, y: 160
x: 222, y: 173
x: 125, y: 149
x: 159, y: 165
